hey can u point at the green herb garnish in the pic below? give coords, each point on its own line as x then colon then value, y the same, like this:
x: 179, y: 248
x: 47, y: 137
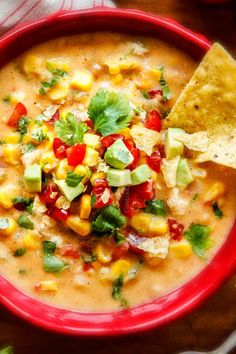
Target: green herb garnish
x: 145, y: 94
x: 198, y: 236
x: 57, y: 72
x: 25, y: 222
x: 109, y: 220
x: 166, y: 94
x: 119, y: 238
x: 24, y: 201
x: 6, y: 350
x: 156, y: 207
x: 117, y: 290
x: 6, y: 98
x: 93, y: 200
x: 109, y: 111
x: 19, y: 252
x: 27, y: 148
x: 23, y: 124
x: 195, y: 196
x: 39, y: 135
x: 89, y: 258
x: 73, y: 179
x: 216, y: 210
x: 70, y: 130
x: 49, y: 247
x: 51, y: 263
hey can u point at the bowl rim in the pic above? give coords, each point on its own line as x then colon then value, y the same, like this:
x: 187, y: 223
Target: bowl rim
x: 153, y: 313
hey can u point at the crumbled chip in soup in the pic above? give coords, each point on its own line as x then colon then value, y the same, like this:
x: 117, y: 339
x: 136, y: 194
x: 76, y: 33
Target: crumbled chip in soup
x: 100, y: 206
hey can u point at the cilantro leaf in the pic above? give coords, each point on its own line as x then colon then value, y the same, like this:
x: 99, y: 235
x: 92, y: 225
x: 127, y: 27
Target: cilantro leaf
x: 109, y: 111
x: 19, y: 252
x: 6, y: 350
x: 156, y: 207
x: 22, y: 200
x: 73, y: 179
x: 217, y: 211
x: 70, y: 130
x: 117, y: 290
x: 23, y: 124
x: 27, y: 148
x: 166, y: 94
x: 198, y: 236
x: 25, y: 222
x: 145, y: 94
x: 39, y: 135
x: 55, y: 71
x: 109, y: 220
x: 49, y: 247
x: 4, y: 223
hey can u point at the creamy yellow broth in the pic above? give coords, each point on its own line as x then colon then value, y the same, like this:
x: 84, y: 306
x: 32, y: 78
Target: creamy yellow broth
x: 90, y: 52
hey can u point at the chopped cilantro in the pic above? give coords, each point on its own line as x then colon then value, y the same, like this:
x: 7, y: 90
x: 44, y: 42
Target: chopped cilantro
x: 108, y: 220
x: 6, y: 98
x: 57, y: 74
x: 25, y: 222
x: 29, y: 208
x: 156, y: 207
x: 109, y: 111
x: 145, y: 94
x: 27, y: 148
x: 4, y: 223
x: 73, y: 179
x: 49, y: 247
x: 39, y: 135
x: 93, y: 200
x: 70, y: 130
x: 117, y: 290
x: 23, y: 124
x: 55, y: 71
x: 19, y: 252
x: 217, y: 211
x: 195, y: 196
x: 166, y: 94
x: 198, y: 236
x: 22, y: 200
x: 89, y: 258
x: 6, y: 350
x: 42, y: 91
x: 51, y: 263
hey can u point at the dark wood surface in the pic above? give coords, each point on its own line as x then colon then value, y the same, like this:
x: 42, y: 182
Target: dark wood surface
x: 207, y: 326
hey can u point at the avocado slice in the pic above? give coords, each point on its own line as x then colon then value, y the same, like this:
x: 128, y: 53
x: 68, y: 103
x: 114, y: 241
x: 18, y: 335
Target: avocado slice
x: 183, y: 174
x: 69, y: 192
x: 118, y: 155
x: 118, y: 178
x: 140, y: 174
x: 33, y: 178
x: 173, y: 147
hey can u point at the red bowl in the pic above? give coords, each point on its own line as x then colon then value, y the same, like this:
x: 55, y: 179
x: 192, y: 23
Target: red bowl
x: 158, y: 311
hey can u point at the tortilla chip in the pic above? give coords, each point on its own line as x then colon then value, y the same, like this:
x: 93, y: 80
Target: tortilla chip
x: 145, y: 139
x: 208, y: 103
x: 197, y: 141
x: 169, y: 170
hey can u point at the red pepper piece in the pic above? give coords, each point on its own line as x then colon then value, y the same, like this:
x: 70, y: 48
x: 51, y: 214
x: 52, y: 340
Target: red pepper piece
x: 135, y: 152
x: 154, y: 93
x: 175, y: 229
x: 70, y: 251
x: 59, y: 214
x: 89, y: 123
x: 120, y: 251
x: 75, y: 154
x: 110, y: 139
x: 59, y: 148
x: 54, y: 118
x: 49, y: 194
x: 153, y: 121
x: 16, y: 115
x: 99, y: 188
x: 154, y: 161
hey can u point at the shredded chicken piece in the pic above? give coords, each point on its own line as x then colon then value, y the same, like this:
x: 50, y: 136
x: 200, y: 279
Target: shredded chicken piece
x: 176, y: 203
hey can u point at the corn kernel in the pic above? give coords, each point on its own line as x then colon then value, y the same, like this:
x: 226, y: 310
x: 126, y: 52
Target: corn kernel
x: 97, y: 175
x: 181, y: 249
x: 103, y: 253
x: 11, y: 154
x: 48, y: 285
x: 62, y: 169
x: 11, y: 227
x: 31, y: 240
x: 154, y: 176
x: 85, y: 171
x: 5, y: 199
x: 117, y: 79
x: 85, y: 206
x: 120, y: 267
x: 81, y: 227
x: 129, y: 65
x: 59, y: 92
x: 152, y: 261
x: 82, y: 80
x: 57, y: 63
x: 32, y: 64
x: 125, y: 132
x: 12, y: 138
x: 91, y: 157
x: 155, y: 72
x: 91, y: 140
x: 158, y: 226
x: 114, y: 68
x: 215, y: 191
x: 48, y: 161
x: 141, y: 222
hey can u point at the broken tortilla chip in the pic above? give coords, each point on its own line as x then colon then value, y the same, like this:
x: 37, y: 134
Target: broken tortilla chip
x: 208, y: 103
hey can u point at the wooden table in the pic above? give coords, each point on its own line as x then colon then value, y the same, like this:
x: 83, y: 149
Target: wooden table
x: 207, y: 326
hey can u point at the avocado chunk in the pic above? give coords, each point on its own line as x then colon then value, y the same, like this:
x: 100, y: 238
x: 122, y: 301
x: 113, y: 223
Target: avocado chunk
x: 140, y: 174
x: 183, y: 174
x: 118, y: 155
x: 69, y: 192
x: 33, y: 178
x: 118, y: 178
x: 173, y: 147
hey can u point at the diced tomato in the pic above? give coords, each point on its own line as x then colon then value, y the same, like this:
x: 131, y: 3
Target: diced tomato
x: 110, y: 139
x: 49, y: 194
x: 75, y: 154
x: 161, y: 149
x: 16, y: 115
x: 154, y: 161
x: 153, y: 121
x: 87, y: 266
x: 154, y: 93
x: 54, y: 118
x: 59, y: 148
x: 120, y: 251
x: 175, y: 229
x: 144, y: 190
x: 99, y: 188
x: 134, y: 151
x: 59, y: 214
x: 70, y: 251
x: 89, y: 123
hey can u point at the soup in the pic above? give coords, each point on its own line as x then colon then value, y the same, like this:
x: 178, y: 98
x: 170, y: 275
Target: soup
x: 93, y: 216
